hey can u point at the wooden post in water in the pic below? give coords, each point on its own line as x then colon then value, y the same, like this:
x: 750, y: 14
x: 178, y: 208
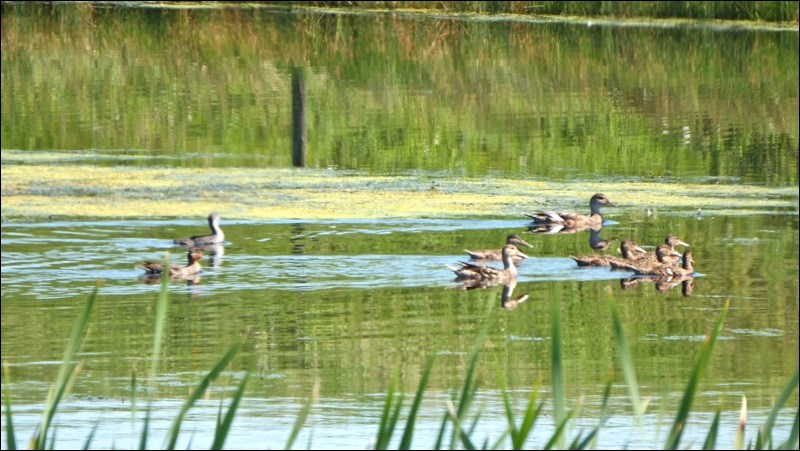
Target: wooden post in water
x: 299, y: 126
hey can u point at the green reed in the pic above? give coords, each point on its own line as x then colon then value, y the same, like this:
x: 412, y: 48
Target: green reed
x: 761, y: 11
x: 458, y: 418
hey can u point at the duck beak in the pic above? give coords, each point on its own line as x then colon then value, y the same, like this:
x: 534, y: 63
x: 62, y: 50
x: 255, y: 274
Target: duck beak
x: 683, y: 243
x: 676, y: 254
x: 520, y: 254
x: 640, y: 250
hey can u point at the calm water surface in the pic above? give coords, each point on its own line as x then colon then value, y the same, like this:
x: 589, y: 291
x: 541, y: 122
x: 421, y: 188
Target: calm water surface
x: 331, y: 310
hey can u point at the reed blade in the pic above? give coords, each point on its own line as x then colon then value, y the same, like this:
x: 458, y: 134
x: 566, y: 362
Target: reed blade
x: 678, y: 426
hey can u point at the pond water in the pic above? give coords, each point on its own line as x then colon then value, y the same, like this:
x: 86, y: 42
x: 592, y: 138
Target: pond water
x: 690, y: 131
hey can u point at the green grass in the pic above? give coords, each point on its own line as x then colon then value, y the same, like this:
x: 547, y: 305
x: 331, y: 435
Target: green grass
x: 459, y: 418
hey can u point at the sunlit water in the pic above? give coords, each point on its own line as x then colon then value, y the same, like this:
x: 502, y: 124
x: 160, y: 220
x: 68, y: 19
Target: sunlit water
x: 332, y: 310
x: 49, y: 266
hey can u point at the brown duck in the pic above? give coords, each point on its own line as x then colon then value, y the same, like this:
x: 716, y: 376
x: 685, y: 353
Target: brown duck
x: 651, y: 258
x: 628, y: 248
x: 497, y: 254
x: 475, y: 273
x: 174, y: 270
x: 665, y: 266
x: 574, y: 220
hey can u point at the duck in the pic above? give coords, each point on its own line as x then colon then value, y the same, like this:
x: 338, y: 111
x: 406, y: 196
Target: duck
x: 175, y: 271
x: 575, y: 220
x: 669, y: 240
x: 217, y: 235
x: 628, y: 248
x: 480, y: 274
x: 497, y: 254
x: 665, y: 266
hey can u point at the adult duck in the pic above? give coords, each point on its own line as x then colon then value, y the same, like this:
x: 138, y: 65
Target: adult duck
x: 216, y: 237
x: 175, y: 271
x: 574, y: 220
x: 628, y: 248
x: 497, y: 254
x: 474, y: 273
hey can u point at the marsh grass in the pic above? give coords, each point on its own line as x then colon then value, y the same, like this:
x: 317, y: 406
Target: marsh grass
x: 458, y: 420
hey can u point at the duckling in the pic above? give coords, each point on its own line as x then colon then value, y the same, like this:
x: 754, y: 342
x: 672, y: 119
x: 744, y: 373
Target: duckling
x: 216, y: 237
x: 497, y: 254
x: 574, y: 220
x: 663, y: 267
x: 628, y: 248
x: 651, y: 257
x: 175, y: 271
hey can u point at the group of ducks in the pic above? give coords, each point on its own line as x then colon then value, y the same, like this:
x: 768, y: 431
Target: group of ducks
x: 664, y: 264
x: 195, y: 253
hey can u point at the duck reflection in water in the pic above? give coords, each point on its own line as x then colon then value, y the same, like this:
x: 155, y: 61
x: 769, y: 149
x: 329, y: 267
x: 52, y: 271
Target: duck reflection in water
x: 507, y: 301
x: 597, y: 243
x: 663, y: 284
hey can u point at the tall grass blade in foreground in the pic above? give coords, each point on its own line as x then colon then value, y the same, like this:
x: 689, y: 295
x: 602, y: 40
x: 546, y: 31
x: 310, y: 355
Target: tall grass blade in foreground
x: 298, y: 424
x: 766, y: 429
x: 389, y: 416
x: 457, y: 416
x: 66, y: 374
x: 405, y: 441
x: 557, y: 368
x: 674, y: 438
x: 711, y: 437
x: 739, y: 440
x: 628, y: 369
x: 519, y: 434
x: 224, y: 427
x: 10, y: 438
x: 172, y: 436
x: 162, y: 305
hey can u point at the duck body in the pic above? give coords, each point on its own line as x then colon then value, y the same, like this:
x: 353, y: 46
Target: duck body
x: 651, y: 258
x: 497, y: 254
x: 475, y: 273
x: 175, y: 271
x: 217, y: 236
x: 574, y: 220
x: 628, y: 248
x: 666, y: 265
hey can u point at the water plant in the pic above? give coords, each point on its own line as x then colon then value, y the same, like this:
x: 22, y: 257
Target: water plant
x: 459, y: 422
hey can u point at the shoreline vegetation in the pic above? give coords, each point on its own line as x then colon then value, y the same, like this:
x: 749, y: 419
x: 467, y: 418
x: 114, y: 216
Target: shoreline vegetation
x: 781, y: 13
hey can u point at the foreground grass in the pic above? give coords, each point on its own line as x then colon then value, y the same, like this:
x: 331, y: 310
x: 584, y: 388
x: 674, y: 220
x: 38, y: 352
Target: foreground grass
x: 459, y: 419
